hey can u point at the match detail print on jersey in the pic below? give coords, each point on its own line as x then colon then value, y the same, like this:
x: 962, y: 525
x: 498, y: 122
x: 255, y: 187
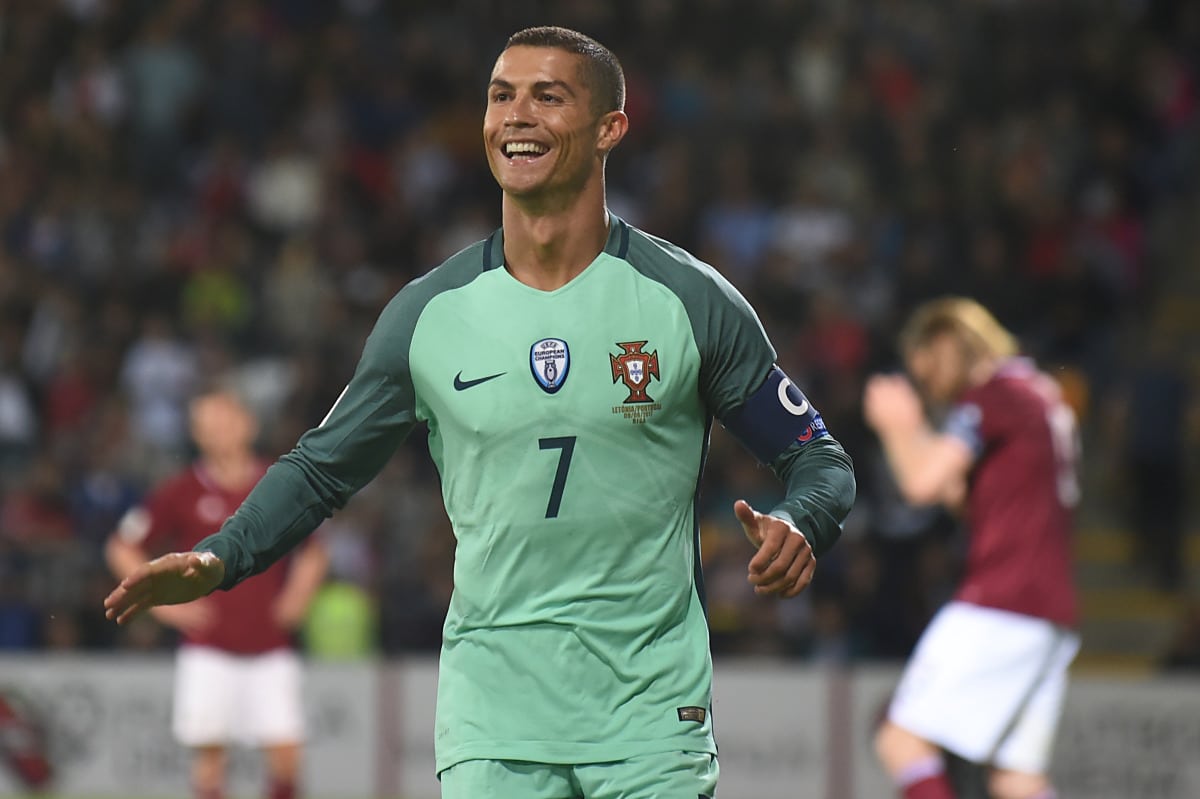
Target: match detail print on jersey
x: 634, y: 369
x: 774, y: 417
x: 550, y: 361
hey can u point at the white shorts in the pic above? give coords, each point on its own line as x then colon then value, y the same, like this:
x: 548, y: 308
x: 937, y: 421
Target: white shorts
x: 222, y: 698
x: 987, y: 685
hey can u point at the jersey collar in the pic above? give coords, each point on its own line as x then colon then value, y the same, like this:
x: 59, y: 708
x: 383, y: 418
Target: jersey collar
x: 617, y: 244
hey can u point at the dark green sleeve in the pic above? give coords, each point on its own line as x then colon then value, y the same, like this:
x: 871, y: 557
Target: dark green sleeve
x: 737, y: 360
x: 735, y: 352
x: 818, y: 478
x: 330, y: 462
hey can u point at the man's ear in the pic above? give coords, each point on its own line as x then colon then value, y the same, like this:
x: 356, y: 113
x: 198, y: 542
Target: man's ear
x: 612, y: 128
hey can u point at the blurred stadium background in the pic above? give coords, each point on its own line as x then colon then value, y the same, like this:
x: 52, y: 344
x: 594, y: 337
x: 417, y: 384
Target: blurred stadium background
x: 196, y: 186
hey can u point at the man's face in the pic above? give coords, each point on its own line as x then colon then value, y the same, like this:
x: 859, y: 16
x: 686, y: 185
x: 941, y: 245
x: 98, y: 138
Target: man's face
x: 222, y: 426
x: 939, y: 367
x: 540, y: 130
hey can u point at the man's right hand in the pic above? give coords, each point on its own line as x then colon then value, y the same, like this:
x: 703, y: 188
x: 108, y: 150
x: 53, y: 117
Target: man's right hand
x: 170, y: 580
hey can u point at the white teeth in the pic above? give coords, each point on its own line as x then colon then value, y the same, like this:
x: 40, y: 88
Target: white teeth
x: 518, y: 147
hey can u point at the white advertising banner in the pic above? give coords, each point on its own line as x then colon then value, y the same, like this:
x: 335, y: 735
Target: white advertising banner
x: 1124, y: 739
x: 770, y: 721
x: 414, y: 683
x: 872, y: 689
x: 107, y: 727
x: 785, y: 731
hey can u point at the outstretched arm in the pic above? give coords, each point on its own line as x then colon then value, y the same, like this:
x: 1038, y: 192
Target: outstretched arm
x: 328, y: 465
x: 331, y: 462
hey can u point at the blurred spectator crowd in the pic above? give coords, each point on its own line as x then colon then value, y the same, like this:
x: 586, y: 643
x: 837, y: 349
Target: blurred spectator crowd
x: 191, y: 188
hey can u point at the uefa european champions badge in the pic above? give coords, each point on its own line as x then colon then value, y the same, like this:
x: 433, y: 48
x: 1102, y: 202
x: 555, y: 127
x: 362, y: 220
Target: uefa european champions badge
x: 550, y: 360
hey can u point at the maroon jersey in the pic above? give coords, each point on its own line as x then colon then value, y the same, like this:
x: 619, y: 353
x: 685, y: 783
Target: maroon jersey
x: 1021, y: 493
x: 173, y: 518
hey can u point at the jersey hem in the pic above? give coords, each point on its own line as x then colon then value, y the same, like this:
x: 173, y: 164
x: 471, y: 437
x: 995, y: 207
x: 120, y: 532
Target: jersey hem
x: 570, y: 753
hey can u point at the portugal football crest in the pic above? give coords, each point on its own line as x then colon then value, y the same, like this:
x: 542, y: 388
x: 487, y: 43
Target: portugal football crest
x: 550, y: 360
x: 634, y: 368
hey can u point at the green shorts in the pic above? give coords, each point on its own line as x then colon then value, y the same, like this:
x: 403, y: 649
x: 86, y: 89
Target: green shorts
x: 667, y: 775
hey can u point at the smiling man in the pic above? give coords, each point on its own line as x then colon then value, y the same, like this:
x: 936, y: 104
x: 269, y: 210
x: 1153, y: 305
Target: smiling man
x: 569, y: 368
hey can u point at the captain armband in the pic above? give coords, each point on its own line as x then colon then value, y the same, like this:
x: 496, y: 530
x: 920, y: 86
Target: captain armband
x: 774, y: 417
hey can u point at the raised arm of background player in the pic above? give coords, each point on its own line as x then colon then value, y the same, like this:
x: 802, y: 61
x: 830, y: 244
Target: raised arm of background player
x: 376, y: 411
x: 930, y: 467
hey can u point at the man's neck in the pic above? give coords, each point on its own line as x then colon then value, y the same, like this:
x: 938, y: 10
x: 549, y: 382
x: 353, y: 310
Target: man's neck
x: 233, y: 471
x: 547, y: 250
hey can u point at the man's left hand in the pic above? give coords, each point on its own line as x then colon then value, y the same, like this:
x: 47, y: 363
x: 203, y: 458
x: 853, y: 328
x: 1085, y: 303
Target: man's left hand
x: 784, y: 564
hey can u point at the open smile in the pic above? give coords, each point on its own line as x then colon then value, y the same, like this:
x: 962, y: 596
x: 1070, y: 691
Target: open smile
x: 524, y: 151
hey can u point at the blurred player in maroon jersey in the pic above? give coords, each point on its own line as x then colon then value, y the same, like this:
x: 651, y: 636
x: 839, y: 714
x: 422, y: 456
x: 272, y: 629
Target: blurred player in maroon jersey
x: 987, y: 679
x: 237, y: 676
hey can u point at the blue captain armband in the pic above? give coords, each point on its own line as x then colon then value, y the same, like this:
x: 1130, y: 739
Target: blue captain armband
x: 774, y: 417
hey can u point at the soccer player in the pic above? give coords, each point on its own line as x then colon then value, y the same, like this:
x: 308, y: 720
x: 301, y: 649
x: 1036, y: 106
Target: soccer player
x: 237, y: 677
x: 568, y: 368
x: 987, y: 678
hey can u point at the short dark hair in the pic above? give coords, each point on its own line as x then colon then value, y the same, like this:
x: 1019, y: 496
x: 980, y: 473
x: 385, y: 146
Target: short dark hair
x: 601, y: 70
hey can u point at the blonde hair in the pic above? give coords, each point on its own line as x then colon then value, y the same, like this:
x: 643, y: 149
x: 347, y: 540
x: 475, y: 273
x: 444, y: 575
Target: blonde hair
x: 966, y: 319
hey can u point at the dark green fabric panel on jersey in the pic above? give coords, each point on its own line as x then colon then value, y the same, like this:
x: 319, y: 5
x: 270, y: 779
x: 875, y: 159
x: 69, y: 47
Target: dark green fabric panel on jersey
x: 737, y: 356
x: 734, y: 350
x: 818, y: 478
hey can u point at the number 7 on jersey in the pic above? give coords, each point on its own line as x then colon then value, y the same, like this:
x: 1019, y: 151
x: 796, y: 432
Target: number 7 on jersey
x: 566, y: 447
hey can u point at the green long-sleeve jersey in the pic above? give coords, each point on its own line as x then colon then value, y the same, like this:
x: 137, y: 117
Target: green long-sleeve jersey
x: 569, y: 428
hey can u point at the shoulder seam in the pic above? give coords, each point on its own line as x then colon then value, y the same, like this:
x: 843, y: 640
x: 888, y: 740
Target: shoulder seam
x: 487, y: 251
